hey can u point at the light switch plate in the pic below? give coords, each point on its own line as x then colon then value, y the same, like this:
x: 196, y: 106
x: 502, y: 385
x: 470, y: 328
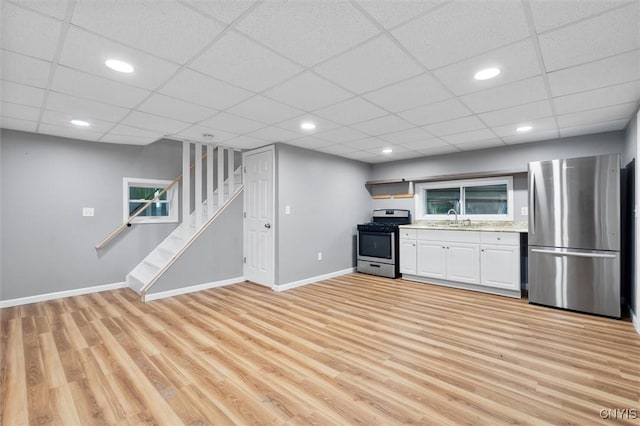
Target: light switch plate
x: 524, y: 211
x: 87, y: 211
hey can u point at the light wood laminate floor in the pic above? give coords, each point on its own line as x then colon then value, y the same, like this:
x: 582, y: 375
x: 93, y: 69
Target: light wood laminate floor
x: 351, y: 350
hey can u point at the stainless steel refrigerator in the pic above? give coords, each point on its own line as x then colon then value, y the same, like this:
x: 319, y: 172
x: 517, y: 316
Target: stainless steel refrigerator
x: 574, y: 234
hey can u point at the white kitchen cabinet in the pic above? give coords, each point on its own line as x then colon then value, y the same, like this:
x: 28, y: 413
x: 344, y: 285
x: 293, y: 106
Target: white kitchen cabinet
x: 500, y: 260
x: 463, y: 262
x: 432, y: 259
x: 408, y: 256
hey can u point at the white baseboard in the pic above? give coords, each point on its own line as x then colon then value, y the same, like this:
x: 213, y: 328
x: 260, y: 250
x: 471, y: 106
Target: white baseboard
x: 199, y: 287
x: 635, y: 320
x: 295, y: 284
x: 60, y: 294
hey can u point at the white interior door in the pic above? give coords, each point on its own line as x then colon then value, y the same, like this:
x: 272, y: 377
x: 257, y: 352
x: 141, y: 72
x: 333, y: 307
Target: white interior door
x: 258, y: 224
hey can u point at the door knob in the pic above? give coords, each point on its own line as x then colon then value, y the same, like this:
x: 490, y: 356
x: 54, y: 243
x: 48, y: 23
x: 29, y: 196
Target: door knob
x: 267, y: 225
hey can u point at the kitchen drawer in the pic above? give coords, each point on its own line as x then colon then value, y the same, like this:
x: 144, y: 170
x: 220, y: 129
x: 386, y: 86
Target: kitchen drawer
x: 452, y: 236
x: 409, y: 234
x: 503, y: 238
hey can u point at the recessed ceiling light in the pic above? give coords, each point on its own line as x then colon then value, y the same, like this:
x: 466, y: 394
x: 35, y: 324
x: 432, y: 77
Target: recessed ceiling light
x: 523, y: 129
x: 387, y: 151
x: 307, y: 125
x: 119, y: 66
x: 80, y: 123
x: 208, y: 136
x: 487, y: 73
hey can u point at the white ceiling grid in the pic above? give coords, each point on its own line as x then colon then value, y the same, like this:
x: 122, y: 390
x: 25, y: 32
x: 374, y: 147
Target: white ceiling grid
x: 371, y: 74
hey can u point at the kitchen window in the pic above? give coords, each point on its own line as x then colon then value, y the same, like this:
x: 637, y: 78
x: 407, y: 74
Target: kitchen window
x: 138, y: 192
x: 476, y: 199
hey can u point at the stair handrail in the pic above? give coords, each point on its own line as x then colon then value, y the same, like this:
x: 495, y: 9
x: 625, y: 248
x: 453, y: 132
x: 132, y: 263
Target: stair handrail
x: 221, y: 209
x: 128, y: 222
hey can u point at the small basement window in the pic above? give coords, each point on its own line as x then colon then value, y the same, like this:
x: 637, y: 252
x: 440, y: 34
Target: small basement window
x: 138, y: 192
x: 478, y: 199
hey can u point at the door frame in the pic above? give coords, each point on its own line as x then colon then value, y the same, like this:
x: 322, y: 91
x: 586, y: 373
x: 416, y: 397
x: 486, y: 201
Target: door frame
x: 274, y: 226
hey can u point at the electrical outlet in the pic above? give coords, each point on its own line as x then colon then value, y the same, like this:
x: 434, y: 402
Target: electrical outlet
x: 319, y: 255
x: 87, y: 211
x: 524, y: 211
x: 287, y: 209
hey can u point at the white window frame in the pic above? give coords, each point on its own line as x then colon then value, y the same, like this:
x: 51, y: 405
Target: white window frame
x: 172, y: 200
x: 420, y: 189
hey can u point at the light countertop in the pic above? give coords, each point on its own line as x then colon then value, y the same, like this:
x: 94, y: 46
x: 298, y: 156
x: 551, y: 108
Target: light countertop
x: 521, y: 227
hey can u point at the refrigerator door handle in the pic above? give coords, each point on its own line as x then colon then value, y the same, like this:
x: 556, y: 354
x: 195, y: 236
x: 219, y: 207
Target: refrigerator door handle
x: 575, y: 253
x: 532, y: 204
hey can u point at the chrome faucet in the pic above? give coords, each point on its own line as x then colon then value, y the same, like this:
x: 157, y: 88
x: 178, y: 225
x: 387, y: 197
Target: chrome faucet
x: 454, y: 212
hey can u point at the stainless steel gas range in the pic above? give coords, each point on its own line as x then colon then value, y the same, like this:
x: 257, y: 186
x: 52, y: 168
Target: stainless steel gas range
x: 379, y: 243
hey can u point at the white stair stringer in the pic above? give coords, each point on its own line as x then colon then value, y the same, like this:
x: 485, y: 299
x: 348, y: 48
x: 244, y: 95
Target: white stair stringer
x: 169, y: 250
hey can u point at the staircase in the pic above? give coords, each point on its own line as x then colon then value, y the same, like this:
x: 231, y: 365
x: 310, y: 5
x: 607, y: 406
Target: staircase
x: 147, y: 272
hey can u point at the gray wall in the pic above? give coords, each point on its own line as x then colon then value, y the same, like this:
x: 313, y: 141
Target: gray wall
x: 47, y: 245
x: 216, y: 255
x: 631, y: 151
x: 328, y: 198
x: 508, y: 158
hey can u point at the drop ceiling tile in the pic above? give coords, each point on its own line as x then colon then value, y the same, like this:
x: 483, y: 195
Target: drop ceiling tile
x: 241, y: 62
x: 517, y: 114
x: 341, y: 134
x: 383, y: 125
x: 245, y: 142
x: 337, y: 149
x: 610, y: 113
x: 53, y: 8
x: 63, y: 119
x: 516, y: 62
x: 606, y: 72
x: 20, y: 112
x: 68, y: 132
x: 309, y: 142
x: 224, y: 10
x: 469, y: 137
x: 164, y: 125
x: 605, y: 35
x: 364, y: 156
x: 88, y: 86
x: 87, y: 52
x: 539, y: 126
x: 176, y: 109
x: 397, y: 156
x: 29, y: 33
x: 598, y: 98
x: 73, y: 105
x: 232, y: 123
x: 409, y: 94
x: 195, y: 133
x: 509, y: 95
x: 463, y: 29
x: 435, y: 113
x: 544, y: 135
x: 407, y: 136
x: 438, y: 150
x: 425, y: 144
x: 392, y: 13
x: 200, y: 89
x: 353, y: 69
x: 321, y: 29
x: 484, y: 144
x: 322, y: 125
x: 551, y: 14
x: 308, y: 92
x: 17, y: 124
x: 351, y: 111
x: 459, y: 125
x: 166, y: 29
x: 123, y: 130
x: 367, y: 143
x: 601, y: 127
x: 264, y: 110
x: 21, y: 94
x: 274, y: 134
x: 128, y: 140
x: 24, y: 70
